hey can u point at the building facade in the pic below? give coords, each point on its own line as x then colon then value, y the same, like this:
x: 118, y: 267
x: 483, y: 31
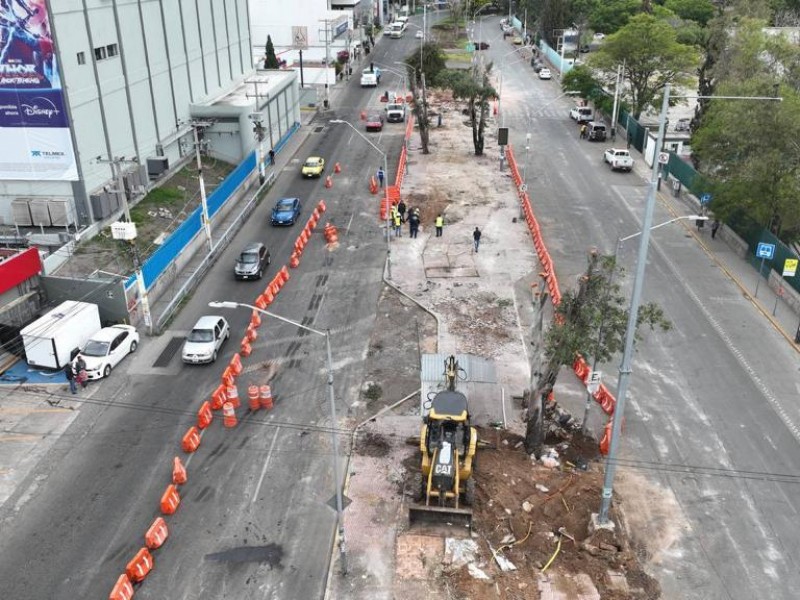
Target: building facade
x: 117, y: 79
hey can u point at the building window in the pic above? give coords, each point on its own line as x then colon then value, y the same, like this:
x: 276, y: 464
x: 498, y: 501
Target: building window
x: 112, y: 50
x: 81, y: 58
x: 99, y: 53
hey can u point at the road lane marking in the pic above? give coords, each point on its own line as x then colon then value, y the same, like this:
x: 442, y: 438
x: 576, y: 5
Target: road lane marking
x: 266, y: 464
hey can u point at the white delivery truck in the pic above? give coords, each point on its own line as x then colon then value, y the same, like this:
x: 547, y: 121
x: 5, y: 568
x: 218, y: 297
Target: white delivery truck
x: 50, y: 340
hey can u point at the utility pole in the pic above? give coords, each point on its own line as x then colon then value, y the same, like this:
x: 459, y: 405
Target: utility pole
x: 206, y: 221
x: 127, y: 232
x: 620, y: 73
x: 258, y: 128
x: 326, y: 100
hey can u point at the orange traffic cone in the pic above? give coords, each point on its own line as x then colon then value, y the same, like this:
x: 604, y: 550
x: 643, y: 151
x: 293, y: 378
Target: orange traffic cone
x: 232, y: 394
x: 337, y: 168
x: 328, y: 182
x: 179, y: 476
x: 321, y: 206
x: 253, y: 399
x: 266, y: 397
x: 228, y: 415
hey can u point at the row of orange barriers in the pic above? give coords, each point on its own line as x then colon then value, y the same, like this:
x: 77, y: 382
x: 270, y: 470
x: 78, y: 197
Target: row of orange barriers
x: 225, y: 397
x: 603, y: 396
x: 392, y: 195
x: 305, y: 234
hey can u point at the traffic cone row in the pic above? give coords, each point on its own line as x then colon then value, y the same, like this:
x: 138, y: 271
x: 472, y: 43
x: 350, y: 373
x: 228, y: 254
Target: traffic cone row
x: 225, y: 397
x: 305, y: 234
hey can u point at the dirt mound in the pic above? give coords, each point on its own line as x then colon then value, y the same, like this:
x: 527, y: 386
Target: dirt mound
x: 520, y: 509
x: 372, y: 444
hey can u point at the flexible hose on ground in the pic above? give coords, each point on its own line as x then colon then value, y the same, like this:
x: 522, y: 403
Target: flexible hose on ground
x: 552, y: 558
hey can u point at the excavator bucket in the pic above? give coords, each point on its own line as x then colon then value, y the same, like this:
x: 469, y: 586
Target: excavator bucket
x: 419, y: 514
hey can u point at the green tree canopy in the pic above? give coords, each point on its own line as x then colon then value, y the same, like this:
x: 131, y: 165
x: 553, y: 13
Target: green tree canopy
x: 699, y: 11
x: 270, y: 60
x: 652, y: 57
x: 611, y: 15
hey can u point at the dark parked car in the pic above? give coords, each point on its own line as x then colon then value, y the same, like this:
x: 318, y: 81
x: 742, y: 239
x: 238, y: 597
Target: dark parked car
x: 481, y: 45
x: 286, y: 211
x: 252, y: 262
x: 537, y: 65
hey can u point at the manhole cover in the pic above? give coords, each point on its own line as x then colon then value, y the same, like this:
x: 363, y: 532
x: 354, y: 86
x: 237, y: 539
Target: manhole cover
x: 171, y: 349
x: 319, y: 129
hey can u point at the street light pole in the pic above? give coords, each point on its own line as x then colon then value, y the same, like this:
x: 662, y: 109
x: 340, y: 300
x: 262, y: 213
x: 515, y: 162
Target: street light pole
x: 331, y: 399
x: 633, y: 311
x: 601, y: 329
x: 386, y: 191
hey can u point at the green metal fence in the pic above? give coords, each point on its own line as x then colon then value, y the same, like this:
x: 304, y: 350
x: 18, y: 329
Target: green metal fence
x: 636, y: 133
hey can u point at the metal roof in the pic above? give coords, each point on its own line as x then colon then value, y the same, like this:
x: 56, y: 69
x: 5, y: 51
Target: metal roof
x: 480, y: 385
x: 477, y: 369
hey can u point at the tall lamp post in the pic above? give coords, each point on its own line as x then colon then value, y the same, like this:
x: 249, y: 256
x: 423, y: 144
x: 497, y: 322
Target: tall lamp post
x: 332, y: 401
x: 385, y: 188
x: 633, y: 311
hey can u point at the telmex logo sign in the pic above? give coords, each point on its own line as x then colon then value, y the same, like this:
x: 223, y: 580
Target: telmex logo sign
x: 47, y: 154
x: 41, y: 107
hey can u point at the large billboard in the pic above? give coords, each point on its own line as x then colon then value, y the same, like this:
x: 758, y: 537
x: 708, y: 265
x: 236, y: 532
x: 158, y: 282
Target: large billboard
x: 34, y: 130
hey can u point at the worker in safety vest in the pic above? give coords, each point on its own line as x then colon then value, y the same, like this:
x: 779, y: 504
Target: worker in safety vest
x: 398, y: 221
x: 439, y: 225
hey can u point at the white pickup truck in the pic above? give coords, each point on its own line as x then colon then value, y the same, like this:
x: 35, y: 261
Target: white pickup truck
x: 581, y: 114
x: 395, y: 113
x: 619, y: 159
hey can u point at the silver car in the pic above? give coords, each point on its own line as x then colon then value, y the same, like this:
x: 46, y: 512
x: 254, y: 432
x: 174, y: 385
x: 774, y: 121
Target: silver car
x: 205, y: 340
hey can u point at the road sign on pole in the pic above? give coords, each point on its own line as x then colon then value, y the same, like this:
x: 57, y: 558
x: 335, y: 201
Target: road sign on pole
x: 663, y: 158
x: 765, y: 251
x: 593, y: 382
x: 705, y: 198
x: 790, y: 267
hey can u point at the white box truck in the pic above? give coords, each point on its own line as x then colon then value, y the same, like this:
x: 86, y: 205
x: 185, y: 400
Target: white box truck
x: 50, y: 340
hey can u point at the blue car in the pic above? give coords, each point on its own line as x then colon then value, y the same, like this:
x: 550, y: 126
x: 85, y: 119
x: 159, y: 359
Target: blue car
x: 286, y: 211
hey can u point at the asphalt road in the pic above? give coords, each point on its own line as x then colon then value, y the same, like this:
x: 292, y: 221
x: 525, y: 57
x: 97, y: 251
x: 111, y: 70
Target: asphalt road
x: 255, y: 519
x: 712, y: 415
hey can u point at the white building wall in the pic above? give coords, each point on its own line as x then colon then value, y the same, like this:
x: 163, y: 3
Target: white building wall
x: 176, y: 52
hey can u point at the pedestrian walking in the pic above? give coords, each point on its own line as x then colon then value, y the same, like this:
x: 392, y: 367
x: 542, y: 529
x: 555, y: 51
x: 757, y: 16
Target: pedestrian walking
x: 397, y: 225
x: 613, y: 133
x: 381, y: 176
x: 272, y: 157
x: 80, y: 371
x: 476, y: 238
x: 714, y: 228
x: 70, y: 375
x: 413, y: 224
x: 439, y: 225
x: 583, y: 132
x: 401, y: 208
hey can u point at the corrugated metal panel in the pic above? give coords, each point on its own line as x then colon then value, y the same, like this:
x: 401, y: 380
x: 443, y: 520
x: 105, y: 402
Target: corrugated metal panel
x: 477, y: 369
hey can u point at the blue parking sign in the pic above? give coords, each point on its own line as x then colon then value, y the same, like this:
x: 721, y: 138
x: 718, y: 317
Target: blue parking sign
x: 705, y: 198
x: 766, y: 251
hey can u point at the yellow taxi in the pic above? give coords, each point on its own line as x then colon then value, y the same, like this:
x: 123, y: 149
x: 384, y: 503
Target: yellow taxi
x: 313, y: 167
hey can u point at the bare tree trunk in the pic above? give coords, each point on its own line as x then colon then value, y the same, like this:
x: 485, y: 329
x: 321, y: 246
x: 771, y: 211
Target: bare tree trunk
x: 423, y: 121
x: 535, y: 430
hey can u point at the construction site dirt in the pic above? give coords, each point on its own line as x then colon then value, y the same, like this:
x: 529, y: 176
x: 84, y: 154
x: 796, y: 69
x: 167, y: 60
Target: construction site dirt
x: 530, y: 537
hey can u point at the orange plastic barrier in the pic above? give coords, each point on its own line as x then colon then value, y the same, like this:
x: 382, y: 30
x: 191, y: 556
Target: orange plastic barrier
x: 321, y: 206
x: 373, y: 186
x: 605, y: 442
x: 266, y: 397
x: 294, y: 261
x: 170, y: 500
x: 253, y: 400
x: 228, y: 415
x: 236, y: 364
x: 261, y: 302
x: 255, y: 319
x: 232, y: 394
x: 179, y: 475
x: 204, y: 415
x: 140, y: 565
x: 245, y: 349
x: 331, y: 234
x: 337, y: 168
x: 228, y: 377
x: 191, y: 440
x: 251, y: 334
x: 157, y: 534
x: 218, y: 397
x: 122, y: 590
x: 328, y: 182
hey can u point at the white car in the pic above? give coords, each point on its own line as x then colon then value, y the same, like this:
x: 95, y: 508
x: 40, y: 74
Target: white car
x: 106, y: 348
x: 545, y: 74
x: 204, y: 340
x: 419, y: 35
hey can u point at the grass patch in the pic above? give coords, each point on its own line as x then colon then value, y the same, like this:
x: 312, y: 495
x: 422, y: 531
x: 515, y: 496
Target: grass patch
x: 373, y: 392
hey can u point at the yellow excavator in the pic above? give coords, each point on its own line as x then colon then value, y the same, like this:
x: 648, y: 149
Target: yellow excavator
x: 447, y: 444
